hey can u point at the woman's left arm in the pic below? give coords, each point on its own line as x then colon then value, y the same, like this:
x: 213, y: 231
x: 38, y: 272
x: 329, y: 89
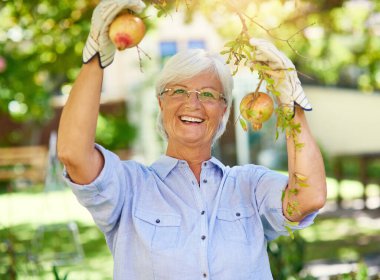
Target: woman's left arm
x: 306, y: 190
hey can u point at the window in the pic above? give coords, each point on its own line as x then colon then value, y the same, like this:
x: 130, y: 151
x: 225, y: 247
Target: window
x: 196, y: 44
x: 168, y: 48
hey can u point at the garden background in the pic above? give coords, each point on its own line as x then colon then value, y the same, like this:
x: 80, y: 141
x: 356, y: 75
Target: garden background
x: 335, y: 45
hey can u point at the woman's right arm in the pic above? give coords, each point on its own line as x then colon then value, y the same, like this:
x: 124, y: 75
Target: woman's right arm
x: 76, y: 134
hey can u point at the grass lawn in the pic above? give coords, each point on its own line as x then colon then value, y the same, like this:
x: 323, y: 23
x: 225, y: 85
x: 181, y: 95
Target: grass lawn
x: 332, y: 236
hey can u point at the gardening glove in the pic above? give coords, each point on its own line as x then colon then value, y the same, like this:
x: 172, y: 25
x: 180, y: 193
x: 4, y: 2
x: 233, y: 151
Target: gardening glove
x: 98, y: 40
x: 285, y: 81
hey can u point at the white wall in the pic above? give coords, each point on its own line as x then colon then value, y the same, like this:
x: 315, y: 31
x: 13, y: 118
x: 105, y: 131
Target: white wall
x: 344, y: 121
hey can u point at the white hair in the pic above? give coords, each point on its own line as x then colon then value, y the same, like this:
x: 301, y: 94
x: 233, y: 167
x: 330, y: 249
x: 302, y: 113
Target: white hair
x: 187, y: 64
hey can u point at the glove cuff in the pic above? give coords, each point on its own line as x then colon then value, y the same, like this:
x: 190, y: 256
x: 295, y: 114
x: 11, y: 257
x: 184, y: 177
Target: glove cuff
x: 90, y: 49
x: 300, y: 98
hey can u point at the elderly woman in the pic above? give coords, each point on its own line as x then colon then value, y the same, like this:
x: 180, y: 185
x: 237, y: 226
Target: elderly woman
x: 187, y: 216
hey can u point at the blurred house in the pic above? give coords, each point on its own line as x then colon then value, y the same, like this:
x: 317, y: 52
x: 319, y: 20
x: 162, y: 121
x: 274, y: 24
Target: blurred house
x: 344, y: 121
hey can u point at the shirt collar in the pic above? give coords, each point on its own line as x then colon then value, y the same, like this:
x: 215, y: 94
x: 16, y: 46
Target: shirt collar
x: 165, y: 164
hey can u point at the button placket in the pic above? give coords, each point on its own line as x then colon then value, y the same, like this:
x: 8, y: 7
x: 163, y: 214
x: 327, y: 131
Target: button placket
x: 201, y: 205
x: 204, y: 224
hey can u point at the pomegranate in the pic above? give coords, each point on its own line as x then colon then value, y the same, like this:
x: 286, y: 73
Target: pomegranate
x: 256, y: 108
x: 126, y: 30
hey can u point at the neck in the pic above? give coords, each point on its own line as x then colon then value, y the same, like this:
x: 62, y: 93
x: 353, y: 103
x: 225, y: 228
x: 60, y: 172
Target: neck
x: 193, y: 155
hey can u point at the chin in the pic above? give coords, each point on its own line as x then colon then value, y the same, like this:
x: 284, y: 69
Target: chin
x: 195, y: 139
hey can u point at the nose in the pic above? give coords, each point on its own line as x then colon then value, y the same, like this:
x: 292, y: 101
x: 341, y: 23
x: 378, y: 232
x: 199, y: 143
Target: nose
x: 196, y: 94
x: 193, y: 98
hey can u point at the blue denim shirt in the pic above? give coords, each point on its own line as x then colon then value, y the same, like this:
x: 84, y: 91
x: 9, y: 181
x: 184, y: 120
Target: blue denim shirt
x: 160, y: 224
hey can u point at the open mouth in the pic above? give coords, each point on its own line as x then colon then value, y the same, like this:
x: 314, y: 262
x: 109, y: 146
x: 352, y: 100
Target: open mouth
x: 187, y: 119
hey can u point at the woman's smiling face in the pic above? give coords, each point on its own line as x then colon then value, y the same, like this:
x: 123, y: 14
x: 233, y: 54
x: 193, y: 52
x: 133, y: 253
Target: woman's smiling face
x: 189, y: 121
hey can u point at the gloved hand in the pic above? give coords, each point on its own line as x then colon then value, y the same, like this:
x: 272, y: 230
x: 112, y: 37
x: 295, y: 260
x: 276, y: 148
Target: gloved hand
x: 285, y: 81
x: 98, y: 40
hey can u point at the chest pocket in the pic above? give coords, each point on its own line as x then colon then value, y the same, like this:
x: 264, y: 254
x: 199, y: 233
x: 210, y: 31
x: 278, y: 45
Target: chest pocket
x: 158, y: 230
x: 237, y: 224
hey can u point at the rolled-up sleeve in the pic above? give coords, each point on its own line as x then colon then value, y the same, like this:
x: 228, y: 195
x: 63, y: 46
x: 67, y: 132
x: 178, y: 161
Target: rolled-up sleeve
x: 106, y: 195
x: 268, y: 194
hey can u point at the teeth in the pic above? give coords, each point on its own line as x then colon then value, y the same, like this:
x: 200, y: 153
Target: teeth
x: 191, y: 119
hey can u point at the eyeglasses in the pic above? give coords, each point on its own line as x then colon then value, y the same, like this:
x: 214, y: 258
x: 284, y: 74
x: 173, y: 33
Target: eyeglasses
x: 206, y: 95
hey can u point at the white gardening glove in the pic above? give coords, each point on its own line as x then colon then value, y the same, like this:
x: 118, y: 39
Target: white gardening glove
x: 286, y: 82
x: 98, y: 40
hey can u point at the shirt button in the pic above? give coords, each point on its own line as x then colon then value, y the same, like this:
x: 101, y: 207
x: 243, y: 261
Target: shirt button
x: 203, y: 212
x: 238, y: 214
x: 158, y: 221
x: 203, y: 237
x: 204, y: 275
x: 204, y: 180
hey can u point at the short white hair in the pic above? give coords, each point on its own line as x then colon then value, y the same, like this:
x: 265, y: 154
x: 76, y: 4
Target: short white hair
x: 187, y: 64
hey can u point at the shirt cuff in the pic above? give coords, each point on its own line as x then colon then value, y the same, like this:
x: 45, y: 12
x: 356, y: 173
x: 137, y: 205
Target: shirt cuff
x: 97, y: 184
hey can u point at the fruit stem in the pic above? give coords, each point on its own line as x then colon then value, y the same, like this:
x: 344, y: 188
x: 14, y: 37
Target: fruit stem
x: 256, y: 94
x: 259, y: 85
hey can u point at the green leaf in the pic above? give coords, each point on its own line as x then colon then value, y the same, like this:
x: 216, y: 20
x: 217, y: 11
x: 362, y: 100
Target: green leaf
x: 230, y: 44
x: 160, y: 13
x: 235, y: 71
x: 290, y: 223
x: 251, y: 113
x: 291, y: 234
x: 269, y: 81
x: 294, y: 191
x: 55, y: 272
x: 302, y: 184
x: 300, y: 145
x: 300, y: 177
x: 248, y: 54
x: 243, y: 124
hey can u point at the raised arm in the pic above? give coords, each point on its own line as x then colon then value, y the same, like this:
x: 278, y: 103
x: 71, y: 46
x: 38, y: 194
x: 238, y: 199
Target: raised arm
x: 306, y: 190
x: 76, y: 134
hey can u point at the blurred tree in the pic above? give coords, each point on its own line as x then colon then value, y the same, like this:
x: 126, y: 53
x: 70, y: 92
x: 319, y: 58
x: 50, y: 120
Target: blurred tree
x: 40, y: 45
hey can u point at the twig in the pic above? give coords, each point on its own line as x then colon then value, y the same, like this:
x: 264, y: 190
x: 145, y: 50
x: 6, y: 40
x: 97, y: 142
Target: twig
x: 287, y: 41
x: 139, y: 51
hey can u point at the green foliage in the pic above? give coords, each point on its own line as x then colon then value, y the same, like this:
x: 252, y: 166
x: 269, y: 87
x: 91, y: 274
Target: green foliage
x: 286, y: 256
x: 360, y: 274
x: 56, y: 274
x: 115, y: 132
x: 41, y: 44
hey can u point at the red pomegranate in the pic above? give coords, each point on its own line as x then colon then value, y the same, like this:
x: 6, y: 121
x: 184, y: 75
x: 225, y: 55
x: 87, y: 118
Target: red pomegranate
x: 256, y: 108
x: 126, y: 31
